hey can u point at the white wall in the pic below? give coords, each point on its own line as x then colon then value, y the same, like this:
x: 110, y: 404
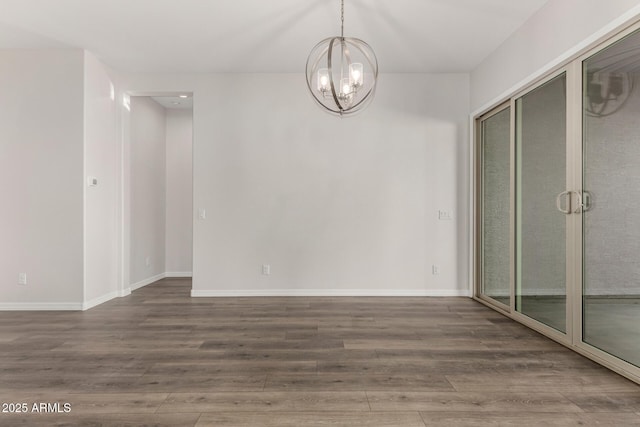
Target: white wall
x: 148, y: 178
x: 179, y: 192
x: 334, y: 206
x: 558, y: 30
x: 41, y: 178
x: 101, y: 201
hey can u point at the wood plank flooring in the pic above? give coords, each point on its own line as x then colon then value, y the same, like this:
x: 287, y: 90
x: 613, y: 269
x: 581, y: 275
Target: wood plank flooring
x: 159, y: 357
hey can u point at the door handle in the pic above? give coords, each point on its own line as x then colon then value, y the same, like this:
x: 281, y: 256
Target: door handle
x: 586, y: 201
x: 559, y: 202
x: 580, y: 206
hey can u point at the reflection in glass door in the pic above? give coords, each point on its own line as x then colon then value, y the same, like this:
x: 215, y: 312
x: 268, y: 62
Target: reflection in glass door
x: 611, y: 183
x: 542, y: 204
x: 495, y: 181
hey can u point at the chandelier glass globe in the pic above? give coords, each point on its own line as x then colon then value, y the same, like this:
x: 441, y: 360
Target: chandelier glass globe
x: 342, y: 73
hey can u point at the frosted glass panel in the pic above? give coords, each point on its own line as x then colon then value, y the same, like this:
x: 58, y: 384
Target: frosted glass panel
x: 495, y: 206
x: 540, y: 227
x: 611, y: 182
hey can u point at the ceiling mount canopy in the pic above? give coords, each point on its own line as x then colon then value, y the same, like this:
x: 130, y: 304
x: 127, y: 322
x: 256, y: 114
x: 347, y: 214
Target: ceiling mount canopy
x: 342, y: 73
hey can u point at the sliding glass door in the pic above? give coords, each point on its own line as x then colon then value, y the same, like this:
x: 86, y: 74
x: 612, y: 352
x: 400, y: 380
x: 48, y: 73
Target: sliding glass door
x: 611, y: 183
x: 558, y: 205
x: 495, y: 202
x: 542, y: 203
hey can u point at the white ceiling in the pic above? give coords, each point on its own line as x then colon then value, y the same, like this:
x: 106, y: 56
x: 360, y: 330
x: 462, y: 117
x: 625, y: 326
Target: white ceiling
x: 174, y: 102
x: 264, y: 35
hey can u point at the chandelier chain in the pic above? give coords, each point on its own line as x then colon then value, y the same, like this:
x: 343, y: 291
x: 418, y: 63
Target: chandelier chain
x: 342, y: 19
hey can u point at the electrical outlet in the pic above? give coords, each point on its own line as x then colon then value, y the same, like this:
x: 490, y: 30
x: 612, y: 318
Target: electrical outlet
x: 147, y: 261
x: 22, y: 278
x: 435, y: 270
x: 266, y: 269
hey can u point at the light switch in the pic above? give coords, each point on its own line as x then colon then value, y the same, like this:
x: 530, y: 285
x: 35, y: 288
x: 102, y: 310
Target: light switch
x: 202, y: 213
x: 444, y: 215
x: 92, y: 181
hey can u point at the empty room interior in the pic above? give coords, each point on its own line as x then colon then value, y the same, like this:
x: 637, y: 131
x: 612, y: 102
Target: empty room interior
x: 320, y: 213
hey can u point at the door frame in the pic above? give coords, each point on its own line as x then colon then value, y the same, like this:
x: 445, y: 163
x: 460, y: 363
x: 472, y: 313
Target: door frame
x: 124, y: 208
x: 614, y: 363
x: 573, y: 339
x: 478, y: 207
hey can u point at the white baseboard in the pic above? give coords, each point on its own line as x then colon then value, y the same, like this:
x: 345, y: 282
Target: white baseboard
x: 331, y: 293
x: 239, y: 293
x: 178, y: 274
x: 40, y: 306
x: 127, y: 291
x: 100, y: 300
x: 147, y: 281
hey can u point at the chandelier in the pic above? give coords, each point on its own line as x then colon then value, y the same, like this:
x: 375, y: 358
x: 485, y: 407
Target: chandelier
x: 607, y: 92
x: 342, y: 73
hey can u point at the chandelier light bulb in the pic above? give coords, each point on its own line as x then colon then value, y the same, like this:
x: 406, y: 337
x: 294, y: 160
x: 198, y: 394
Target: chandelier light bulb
x: 355, y: 74
x: 323, y: 80
x: 346, y: 86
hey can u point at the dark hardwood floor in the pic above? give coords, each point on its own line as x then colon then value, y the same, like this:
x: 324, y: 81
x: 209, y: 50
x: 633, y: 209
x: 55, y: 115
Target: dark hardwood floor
x: 159, y: 357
